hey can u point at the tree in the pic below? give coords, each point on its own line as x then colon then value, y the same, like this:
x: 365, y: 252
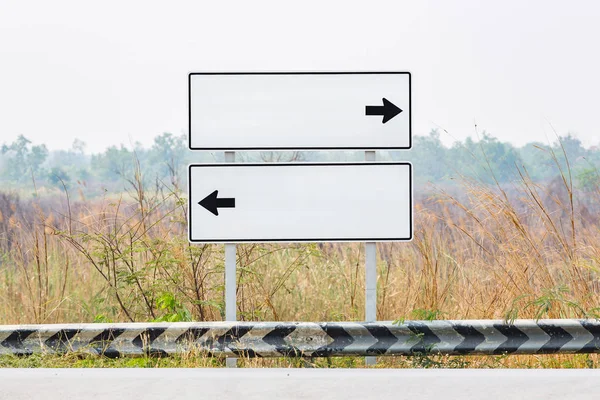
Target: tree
x: 572, y: 147
x: 537, y: 160
x: 72, y: 164
x: 167, y: 155
x: 113, y: 164
x: 78, y: 147
x: 22, y: 159
x: 487, y: 159
x: 57, y: 176
x: 428, y: 156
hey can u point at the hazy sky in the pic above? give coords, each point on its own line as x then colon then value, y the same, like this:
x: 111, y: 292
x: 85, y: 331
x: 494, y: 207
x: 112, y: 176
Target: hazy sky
x: 115, y: 72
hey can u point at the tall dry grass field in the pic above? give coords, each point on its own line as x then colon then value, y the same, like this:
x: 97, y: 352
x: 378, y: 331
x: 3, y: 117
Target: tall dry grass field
x: 483, y: 251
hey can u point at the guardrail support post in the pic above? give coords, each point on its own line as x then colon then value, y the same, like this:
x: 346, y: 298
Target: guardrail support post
x: 370, y: 276
x: 230, y: 278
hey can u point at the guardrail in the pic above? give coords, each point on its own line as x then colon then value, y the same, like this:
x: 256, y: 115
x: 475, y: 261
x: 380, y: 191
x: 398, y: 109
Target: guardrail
x: 306, y: 339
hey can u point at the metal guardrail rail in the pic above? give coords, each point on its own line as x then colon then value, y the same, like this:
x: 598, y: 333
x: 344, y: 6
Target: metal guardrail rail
x: 305, y: 339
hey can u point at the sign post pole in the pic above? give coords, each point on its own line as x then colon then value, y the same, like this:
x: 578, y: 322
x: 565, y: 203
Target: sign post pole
x: 230, y: 277
x: 370, y: 276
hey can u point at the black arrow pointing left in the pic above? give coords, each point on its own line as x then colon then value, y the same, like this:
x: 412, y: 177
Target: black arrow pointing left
x: 212, y: 203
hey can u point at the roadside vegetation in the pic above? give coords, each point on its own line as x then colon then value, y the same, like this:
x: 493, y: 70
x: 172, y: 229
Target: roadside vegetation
x: 498, y: 237
x: 194, y: 360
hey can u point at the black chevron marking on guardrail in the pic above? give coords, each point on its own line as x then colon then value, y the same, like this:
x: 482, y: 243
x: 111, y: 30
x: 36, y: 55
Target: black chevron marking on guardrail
x: 61, y: 340
x: 471, y: 338
x: 233, y: 335
x: 145, y: 339
x: 276, y: 338
x: 102, y: 342
x: 230, y: 338
x: 515, y: 338
x: 148, y: 336
x: 558, y: 338
x: 385, y: 340
x: 246, y: 353
x: 107, y: 336
x: 14, y: 341
x: 593, y: 346
x: 424, y: 337
x: 191, y: 335
x: 341, y: 340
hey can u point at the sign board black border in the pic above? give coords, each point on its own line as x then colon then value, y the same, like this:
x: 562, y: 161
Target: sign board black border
x: 298, y: 148
x: 297, y: 240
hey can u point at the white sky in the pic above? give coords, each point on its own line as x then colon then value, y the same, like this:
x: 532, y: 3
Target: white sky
x: 113, y: 72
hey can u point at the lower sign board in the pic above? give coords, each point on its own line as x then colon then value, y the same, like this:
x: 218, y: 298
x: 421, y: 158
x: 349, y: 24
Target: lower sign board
x: 300, y: 202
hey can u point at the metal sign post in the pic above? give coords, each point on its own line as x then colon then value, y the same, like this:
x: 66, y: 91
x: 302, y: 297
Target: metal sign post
x: 370, y: 276
x: 230, y: 277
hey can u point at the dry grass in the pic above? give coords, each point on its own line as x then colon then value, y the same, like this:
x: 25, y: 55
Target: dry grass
x: 528, y: 251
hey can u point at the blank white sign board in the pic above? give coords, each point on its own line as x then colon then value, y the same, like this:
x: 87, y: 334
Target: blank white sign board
x: 300, y: 202
x: 299, y: 111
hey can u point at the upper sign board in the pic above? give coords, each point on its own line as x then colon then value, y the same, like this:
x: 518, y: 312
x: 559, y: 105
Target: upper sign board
x: 300, y: 111
x: 300, y: 202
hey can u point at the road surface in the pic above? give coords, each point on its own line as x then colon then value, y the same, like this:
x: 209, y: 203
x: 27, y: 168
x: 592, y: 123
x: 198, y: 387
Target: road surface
x: 50, y: 384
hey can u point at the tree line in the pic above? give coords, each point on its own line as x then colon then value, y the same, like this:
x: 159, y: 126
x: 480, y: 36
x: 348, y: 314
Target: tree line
x: 24, y: 164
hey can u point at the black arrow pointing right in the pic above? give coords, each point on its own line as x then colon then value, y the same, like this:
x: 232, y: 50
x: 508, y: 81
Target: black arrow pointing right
x: 388, y: 110
x: 212, y: 203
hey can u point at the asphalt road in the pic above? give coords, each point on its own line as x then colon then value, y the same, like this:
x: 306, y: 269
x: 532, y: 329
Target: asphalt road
x: 261, y: 384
